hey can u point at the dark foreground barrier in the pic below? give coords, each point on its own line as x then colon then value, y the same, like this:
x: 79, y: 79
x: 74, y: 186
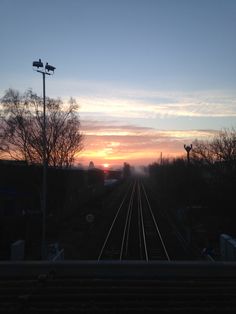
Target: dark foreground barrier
x: 113, y: 287
x: 129, y: 269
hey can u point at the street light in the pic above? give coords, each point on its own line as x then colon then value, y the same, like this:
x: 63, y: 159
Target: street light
x: 47, y: 70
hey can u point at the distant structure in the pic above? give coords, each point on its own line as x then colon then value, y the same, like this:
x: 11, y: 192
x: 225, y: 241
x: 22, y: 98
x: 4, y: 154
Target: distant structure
x: 161, y: 158
x: 126, y: 170
x: 188, y: 149
x: 91, y: 165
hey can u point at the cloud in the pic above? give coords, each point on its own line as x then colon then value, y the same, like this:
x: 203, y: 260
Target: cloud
x: 118, y: 108
x: 107, y: 100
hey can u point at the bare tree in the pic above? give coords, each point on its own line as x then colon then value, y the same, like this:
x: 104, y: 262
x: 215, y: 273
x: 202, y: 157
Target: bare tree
x: 21, y: 134
x: 221, y: 148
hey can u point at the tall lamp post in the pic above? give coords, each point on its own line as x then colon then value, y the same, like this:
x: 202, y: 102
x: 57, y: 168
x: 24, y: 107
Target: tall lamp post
x: 44, y: 70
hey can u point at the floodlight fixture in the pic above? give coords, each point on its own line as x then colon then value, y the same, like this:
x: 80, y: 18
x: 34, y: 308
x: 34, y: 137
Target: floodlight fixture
x: 38, y: 64
x: 49, y: 67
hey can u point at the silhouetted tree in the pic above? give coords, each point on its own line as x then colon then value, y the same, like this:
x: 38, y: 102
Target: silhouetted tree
x: 222, y: 148
x: 22, y: 129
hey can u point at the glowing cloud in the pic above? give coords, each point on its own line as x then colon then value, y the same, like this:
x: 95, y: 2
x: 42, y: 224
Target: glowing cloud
x: 147, y: 104
x: 105, y: 143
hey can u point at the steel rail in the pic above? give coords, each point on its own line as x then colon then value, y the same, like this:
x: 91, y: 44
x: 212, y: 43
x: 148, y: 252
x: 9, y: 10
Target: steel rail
x: 129, y: 222
x: 125, y: 238
x: 113, y: 222
x: 139, y: 224
x: 155, y: 223
x: 140, y: 207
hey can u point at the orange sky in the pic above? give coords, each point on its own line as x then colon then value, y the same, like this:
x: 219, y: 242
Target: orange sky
x: 116, y: 144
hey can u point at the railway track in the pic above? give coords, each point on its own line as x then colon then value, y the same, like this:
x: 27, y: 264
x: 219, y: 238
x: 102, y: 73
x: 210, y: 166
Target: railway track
x: 134, y: 233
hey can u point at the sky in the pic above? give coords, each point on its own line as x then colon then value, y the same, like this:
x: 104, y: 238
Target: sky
x: 149, y: 75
